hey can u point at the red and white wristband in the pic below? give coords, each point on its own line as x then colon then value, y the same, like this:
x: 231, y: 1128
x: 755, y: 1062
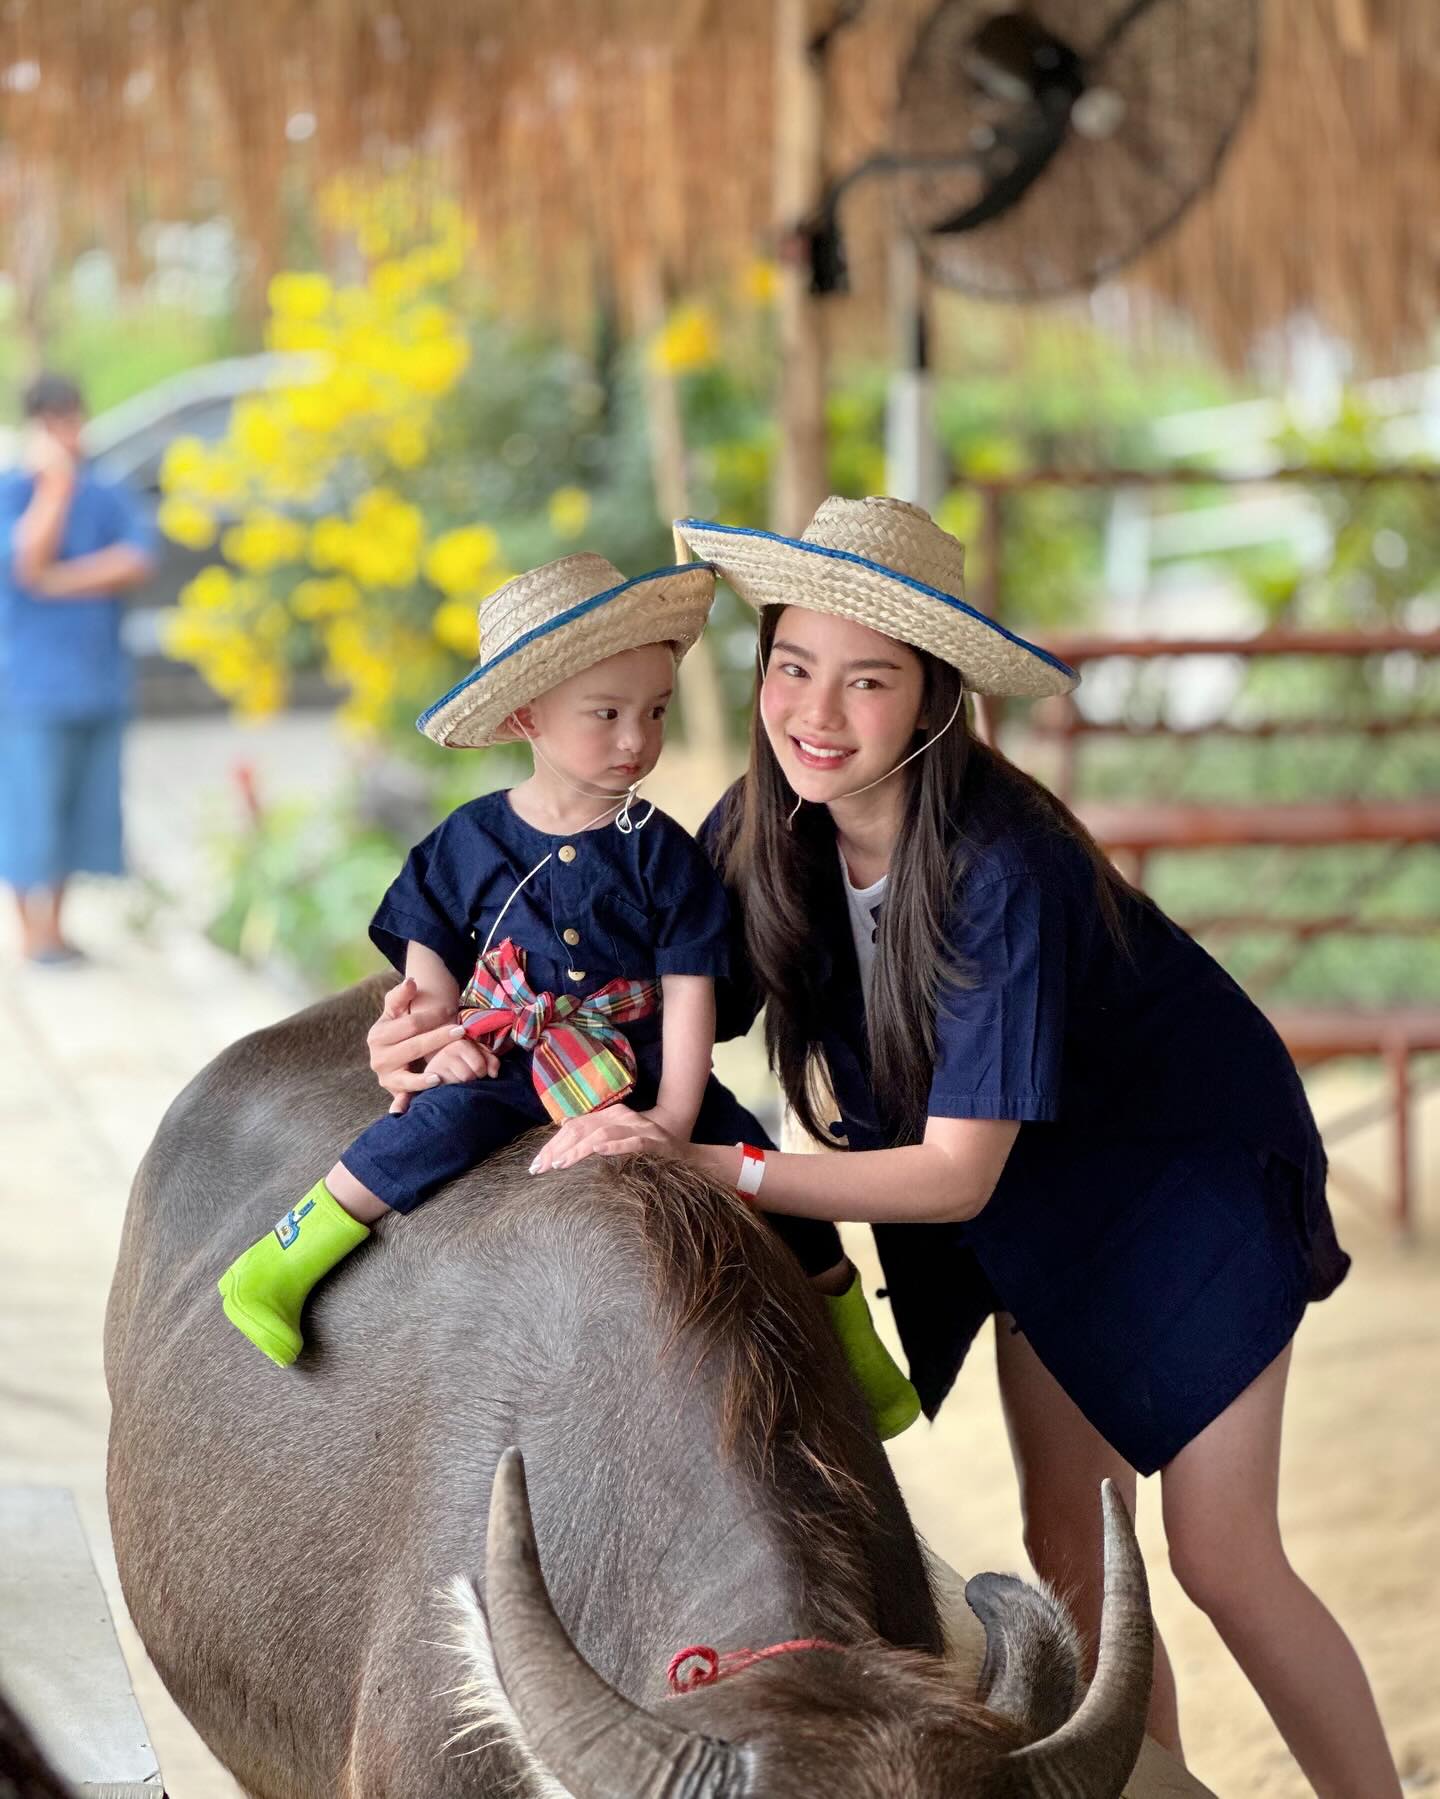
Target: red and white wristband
x: 752, y: 1170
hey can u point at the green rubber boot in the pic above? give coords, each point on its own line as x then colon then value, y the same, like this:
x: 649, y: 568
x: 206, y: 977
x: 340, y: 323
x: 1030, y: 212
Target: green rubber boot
x: 894, y: 1403
x: 265, y: 1289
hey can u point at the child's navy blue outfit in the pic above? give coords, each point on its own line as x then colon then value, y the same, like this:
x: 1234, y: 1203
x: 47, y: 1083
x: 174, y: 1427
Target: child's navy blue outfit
x: 1161, y: 1222
x: 608, y: 903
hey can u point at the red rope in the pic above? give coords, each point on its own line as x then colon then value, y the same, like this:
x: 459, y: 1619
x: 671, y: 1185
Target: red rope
x: 711, y: 1666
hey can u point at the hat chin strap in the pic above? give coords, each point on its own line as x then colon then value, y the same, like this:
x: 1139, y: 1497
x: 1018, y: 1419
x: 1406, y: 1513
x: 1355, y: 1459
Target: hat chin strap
x: 624, y: 822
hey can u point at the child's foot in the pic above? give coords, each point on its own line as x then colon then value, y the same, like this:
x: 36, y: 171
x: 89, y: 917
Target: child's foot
x: 894, y: 1403
x: 265, y: 1289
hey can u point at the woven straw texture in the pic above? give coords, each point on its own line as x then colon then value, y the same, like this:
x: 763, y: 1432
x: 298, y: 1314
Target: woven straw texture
x: 886, y: 564
x: 593, y: 176
x: 574, y: 613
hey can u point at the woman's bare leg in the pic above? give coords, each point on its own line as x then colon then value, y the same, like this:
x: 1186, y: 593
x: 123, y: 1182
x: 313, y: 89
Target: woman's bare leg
x: 1220, y: 1497
x: 1060, y: 1461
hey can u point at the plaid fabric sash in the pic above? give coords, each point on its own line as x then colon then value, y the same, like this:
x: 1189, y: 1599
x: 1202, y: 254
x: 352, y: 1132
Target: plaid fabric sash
x: 579, y: 1060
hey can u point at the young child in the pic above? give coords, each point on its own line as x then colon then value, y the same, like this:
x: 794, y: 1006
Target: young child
x: 563, y: 917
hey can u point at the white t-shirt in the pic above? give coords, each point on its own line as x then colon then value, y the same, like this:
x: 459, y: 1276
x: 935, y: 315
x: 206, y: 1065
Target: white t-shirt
x: 863, y: 905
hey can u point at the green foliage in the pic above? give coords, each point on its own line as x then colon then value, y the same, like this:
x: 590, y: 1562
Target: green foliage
x: 301, y: 885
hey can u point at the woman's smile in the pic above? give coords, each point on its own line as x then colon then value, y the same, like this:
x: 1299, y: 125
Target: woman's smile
x: 812, y: 754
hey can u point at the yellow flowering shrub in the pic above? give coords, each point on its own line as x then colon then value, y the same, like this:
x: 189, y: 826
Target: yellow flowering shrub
x: 317, y: 493
x: 569, y: 511
x: 687, y: 342
x: 759, y: 283
x: 188, y: 522
x: 266, y: 540
x: 457, y: 563
x: 454, y: 625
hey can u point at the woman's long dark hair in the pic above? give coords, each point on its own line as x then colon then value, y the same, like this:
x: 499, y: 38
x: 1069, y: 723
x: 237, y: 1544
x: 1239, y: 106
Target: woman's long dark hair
x: 786, y: 875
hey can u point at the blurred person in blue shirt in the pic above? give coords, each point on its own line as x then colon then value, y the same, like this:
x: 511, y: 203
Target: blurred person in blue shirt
x: 70, y: 545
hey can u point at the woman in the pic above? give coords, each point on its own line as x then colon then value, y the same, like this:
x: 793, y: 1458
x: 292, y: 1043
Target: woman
x: 1061, y: 1109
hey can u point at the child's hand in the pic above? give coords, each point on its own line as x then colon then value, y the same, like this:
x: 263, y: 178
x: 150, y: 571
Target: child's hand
x: 461, y: 1061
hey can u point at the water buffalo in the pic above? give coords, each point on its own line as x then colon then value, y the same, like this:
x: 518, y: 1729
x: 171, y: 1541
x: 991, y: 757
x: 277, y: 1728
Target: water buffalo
x: 305, y: 1552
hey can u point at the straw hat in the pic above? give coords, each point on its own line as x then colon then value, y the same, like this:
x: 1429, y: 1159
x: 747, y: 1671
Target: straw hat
x: 557, y: 621
x: 888, y: 565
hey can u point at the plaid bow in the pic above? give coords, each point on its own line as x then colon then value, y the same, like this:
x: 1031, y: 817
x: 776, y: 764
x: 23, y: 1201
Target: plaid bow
x: 580, y: 1061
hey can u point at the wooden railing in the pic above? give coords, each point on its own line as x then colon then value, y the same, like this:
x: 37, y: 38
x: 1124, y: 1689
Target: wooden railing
x: 1136, y: 831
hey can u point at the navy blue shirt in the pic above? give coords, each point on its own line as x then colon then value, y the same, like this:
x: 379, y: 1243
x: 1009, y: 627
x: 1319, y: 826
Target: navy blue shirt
x: 1058, y: 1020
x: 640, y: 904
x: 64, y: 659
x: 1120, y: 1054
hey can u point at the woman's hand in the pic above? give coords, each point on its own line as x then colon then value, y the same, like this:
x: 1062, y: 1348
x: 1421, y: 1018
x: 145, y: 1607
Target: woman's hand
x: 612, y: 1131
x: 409, y: 1029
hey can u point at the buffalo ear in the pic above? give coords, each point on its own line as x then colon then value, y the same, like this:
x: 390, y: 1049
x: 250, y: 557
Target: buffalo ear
x: 1031, y: 1671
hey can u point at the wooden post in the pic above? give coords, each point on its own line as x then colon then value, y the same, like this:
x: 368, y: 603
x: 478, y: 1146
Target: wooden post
x: 912, y: 457
x: 1397, y: 1054
x: 801, y: 480
x: 33, y: 240
x: 985, y: 596
x: 1068, y: 774
x: 707, y: 736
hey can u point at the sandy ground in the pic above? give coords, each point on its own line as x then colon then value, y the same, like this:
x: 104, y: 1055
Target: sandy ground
x: 89, y: 1063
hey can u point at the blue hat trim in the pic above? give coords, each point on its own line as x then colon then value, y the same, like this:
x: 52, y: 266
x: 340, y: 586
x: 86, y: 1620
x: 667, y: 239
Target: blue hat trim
x: 880, y: 568
x: 553, y: 624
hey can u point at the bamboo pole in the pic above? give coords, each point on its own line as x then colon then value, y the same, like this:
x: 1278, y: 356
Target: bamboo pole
x: 912, y: 457
x: 34, y: 237
x: 1322, y: 207
x: 707, y: 736
x: 801, y: 481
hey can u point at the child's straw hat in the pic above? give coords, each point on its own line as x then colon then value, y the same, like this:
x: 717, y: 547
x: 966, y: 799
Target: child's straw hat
x: 557, y: 621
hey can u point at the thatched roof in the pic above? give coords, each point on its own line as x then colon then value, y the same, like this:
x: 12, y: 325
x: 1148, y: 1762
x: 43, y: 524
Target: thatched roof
x: 603, y: 138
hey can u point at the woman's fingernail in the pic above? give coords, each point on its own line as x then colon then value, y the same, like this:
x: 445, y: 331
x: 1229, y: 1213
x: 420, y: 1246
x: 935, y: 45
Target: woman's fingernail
x: 535, y: 1166
x: 457, y: 1030
x: 432, y: 1080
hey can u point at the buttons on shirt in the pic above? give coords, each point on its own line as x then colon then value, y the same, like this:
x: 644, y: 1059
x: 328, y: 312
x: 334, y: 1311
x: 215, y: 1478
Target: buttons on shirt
x: 571, y: 936
x: 566, y: 852
x: 574, y: 974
